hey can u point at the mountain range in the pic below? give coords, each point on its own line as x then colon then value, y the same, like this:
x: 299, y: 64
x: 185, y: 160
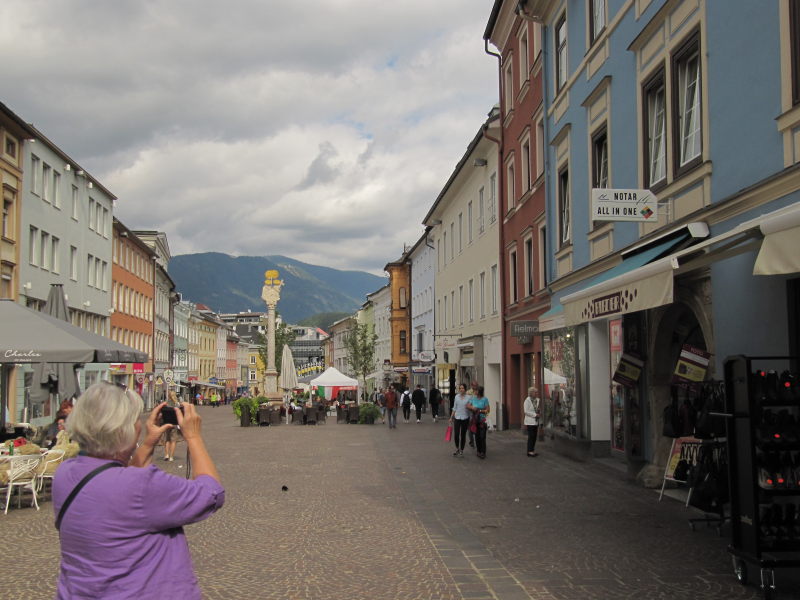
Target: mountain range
x: 229, y: 284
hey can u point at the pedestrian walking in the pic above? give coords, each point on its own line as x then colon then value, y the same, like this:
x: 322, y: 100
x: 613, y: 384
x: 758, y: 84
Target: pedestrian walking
x: 391, y: 407
x: 434, y: 398
x: 532, y: 409
x: 405, y: 400
x: 471, y: 392
x: 123, y: 537
x: 479, y: 405
x: 418, y: 399
x: 459, y: 419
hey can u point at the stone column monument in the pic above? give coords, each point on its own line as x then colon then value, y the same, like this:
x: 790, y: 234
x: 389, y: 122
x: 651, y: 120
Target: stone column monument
x: 271, y: 293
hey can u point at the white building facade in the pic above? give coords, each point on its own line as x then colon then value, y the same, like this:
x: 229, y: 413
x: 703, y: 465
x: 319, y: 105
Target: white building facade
x: 422, y: 258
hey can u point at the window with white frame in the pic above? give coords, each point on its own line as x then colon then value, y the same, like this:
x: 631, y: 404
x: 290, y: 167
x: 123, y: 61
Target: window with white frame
x: 481, y: 209
x: 561, y: 51
x: 600, y: 158
x: 492, y: 198
x: 44, y: 251
x: 9, y: 202
x: 656, y: 123
x: 508, y: 87
x: 47, y: 182
x: 89, y: 270
x: 542, y: 253
x: 469, y: 222
x: 6, y: 280
x: 471, y: 300
x: 510, y: 186
x: 529, y: 286
x: 524, y: 66
x: 444, y: 314
x: 494, y: 289
x: 73, y: 263
x: 482, y: 293
x: 11, y: 148
x: 56, y: 189
x: 36, y: 175
x: 512, y: 277
x: 444, y: 248
x: 539, y: 148
x: 461, y: 305
x: 91, y: 213
x: 75, y: 202
x: 688, y: 94
x: 526, y: 165
x: 452, y: 240
x: 33, y: 240
x: 597, y: 18
x: 460, y: 232
x: 564, y: 209
x: 54, y: 250
x: 453, y: 308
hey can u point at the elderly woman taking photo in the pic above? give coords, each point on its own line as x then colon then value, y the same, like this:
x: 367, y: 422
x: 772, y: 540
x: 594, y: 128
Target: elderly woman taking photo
x: 122, y: 537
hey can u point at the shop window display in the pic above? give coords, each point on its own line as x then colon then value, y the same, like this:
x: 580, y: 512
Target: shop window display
x: 560, y: 401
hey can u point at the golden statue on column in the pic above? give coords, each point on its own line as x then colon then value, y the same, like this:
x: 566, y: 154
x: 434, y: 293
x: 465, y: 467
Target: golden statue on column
x: 270, y: 294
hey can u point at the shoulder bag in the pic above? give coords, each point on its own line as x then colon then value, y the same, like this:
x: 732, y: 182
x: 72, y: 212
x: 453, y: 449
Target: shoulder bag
x: 79, y: 487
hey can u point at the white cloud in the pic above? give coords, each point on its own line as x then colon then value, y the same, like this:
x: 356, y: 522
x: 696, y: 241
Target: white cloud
x: 321, y: 130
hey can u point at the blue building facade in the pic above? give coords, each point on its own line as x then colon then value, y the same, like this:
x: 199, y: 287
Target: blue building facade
x: 693, y: 105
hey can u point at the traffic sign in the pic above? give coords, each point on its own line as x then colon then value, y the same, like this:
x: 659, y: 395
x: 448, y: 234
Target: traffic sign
x: 140, y: 378
x: 168, y: 375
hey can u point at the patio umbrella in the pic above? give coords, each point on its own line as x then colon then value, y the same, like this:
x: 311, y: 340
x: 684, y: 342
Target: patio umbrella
x: 55, y: 378
x: 29, y: 336
x: 288, y: 377
x: 551, y: 378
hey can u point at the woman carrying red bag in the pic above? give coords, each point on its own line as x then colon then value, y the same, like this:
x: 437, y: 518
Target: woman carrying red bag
x: 459, y: 419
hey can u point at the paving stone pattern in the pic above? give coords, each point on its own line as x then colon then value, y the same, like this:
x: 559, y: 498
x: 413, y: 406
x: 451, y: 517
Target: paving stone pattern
x: 373, y: 513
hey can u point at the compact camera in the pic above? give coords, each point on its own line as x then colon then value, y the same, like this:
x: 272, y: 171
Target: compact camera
x: 168, y: 415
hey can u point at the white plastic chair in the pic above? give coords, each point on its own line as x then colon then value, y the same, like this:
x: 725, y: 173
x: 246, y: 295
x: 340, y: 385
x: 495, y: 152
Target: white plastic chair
x: 47, y: 467
x: 22, y: 475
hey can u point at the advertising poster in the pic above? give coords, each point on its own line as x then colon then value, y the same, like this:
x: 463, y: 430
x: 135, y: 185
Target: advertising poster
x: 692, y: 365
x: 628, y: 370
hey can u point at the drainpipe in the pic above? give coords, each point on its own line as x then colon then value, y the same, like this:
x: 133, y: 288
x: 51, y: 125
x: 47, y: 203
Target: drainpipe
x: 501, y: 233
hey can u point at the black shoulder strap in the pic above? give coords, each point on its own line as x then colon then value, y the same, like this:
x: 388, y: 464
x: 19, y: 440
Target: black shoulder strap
x: 79, y: 487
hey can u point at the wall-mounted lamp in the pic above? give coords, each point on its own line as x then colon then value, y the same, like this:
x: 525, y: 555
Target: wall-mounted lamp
x: 123, y: 234
x: 111, y: 311
x: 67, y: 167
x: 435, y: 221
x: 90, y: 185
x: 27, y: 286
x: 87, y: 304
x: 81, y: 173
x: 480, y: 162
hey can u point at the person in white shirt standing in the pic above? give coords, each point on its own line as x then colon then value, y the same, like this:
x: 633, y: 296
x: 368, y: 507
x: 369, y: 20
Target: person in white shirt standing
x: 532, y: 409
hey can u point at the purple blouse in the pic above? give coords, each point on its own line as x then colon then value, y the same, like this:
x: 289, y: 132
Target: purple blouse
x: 122, y: 536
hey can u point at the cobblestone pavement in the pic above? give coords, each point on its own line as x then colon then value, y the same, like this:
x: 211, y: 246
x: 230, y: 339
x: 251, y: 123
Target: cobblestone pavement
x: 373, y: 513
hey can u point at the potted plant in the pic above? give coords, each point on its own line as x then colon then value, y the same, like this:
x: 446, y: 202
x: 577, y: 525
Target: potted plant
x: 367, y: 413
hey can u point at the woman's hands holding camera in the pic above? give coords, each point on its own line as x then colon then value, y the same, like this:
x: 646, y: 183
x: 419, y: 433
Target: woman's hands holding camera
x: 188, y: 421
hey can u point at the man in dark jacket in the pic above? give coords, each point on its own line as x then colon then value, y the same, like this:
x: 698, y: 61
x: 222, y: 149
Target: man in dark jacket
x: 434, y: 399
x: 418, y: 400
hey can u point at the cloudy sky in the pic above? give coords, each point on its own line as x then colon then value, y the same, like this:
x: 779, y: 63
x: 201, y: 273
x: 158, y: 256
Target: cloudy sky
x: 321, y: 129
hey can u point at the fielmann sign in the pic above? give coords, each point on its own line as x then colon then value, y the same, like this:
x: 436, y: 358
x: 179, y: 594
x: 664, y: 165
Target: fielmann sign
x: 610, y: 204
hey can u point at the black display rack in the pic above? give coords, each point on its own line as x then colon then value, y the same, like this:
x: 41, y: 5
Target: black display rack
x: 763, y: 403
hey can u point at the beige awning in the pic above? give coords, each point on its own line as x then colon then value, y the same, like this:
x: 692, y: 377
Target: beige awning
x: 780, y: 250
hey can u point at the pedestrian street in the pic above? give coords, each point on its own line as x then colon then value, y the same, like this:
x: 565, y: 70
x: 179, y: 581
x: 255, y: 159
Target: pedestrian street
x: 373, y: 513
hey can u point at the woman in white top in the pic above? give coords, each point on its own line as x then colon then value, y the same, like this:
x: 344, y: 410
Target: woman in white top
x: 532, y: 410
x: 459, y: 419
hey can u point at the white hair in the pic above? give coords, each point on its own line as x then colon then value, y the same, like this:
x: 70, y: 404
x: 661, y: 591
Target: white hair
x: 103, y: 421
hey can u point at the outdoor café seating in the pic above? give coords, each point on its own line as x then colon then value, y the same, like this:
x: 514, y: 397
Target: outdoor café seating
x: 20, y: 473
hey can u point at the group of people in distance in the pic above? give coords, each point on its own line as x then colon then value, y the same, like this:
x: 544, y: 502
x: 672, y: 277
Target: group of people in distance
x: 468, y: 415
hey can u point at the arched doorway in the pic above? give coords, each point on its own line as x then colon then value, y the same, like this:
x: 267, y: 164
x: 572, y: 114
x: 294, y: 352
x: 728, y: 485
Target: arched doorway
x: 685, y: 321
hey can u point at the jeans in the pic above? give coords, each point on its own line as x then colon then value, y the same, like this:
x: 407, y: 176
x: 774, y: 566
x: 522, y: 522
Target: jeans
x: 460, y: 427
x: 392, y: 412
x: 480, y: 439
x: 533, y: 431
x: 406, y: 412
x: 418, y: 408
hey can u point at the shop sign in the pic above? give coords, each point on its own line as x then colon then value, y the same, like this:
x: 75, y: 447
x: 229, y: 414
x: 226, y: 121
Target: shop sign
x: 117, y: 367
x: 610, y: 204
x: 683, y: 448
x: 628, y: 370
x: 400, y: 369
x: 421, y: 370
x: 524, y: 328
x: 425, y: 355
x: 692, y: 365
x: 446, y: 367
x: 192, y: 377
x: 138, y: 367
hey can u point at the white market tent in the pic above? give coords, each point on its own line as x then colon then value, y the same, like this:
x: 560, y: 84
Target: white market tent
x: 334, y: 380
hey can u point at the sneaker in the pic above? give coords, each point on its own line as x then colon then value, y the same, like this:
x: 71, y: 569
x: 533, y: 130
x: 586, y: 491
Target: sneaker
x: 166, y: 458
x: 417, y: 420
x: 456, y: 453
x: 171, y: 459
x: 434, y: 419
